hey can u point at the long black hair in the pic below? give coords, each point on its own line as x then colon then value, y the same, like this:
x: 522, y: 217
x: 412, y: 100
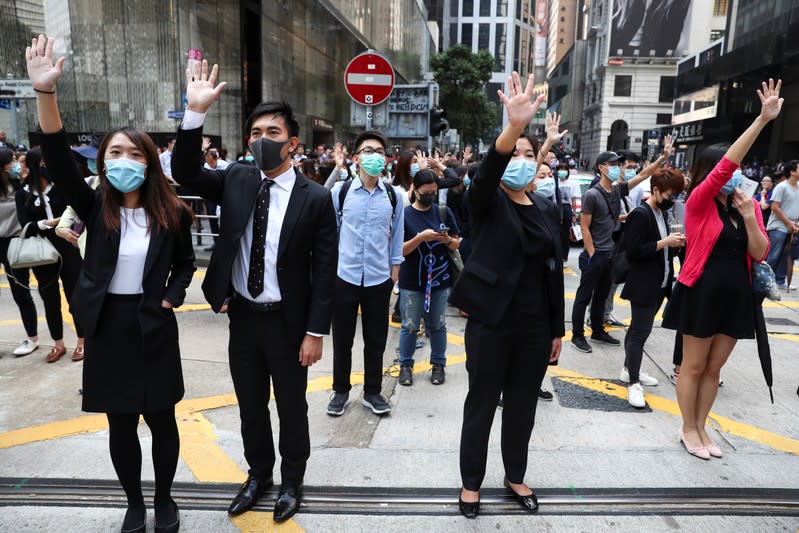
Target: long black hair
x: 704, y: 163
x: 35, y: 174
x: 6, y: 157
x: 423, y: 177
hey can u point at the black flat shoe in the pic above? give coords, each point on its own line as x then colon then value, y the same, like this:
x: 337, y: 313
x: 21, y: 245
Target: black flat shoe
x: 288, y: 502
x: 528, y: 503
x: 468, y: 509
x: 249, y: 493
x: 167, y: 517
x: 135, y: 520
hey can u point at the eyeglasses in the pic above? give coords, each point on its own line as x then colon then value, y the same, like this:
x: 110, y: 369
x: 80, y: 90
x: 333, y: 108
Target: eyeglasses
x: 369, y: 151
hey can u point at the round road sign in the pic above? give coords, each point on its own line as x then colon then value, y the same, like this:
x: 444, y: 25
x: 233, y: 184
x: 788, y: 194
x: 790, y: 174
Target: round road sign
x: 369, y: 78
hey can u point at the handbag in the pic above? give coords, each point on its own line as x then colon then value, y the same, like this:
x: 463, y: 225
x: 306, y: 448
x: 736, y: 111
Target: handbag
x: 764, y: 281
x: 27, y: 252
x: 620, y: 266
x: 455, y: 259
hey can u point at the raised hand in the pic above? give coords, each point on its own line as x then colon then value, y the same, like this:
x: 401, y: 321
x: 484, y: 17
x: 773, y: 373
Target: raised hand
x: 770, y: 99
x: 668, y: 147
x: 519, y: 105
x: 201, y: 88
x: 467, y: 154
x: 338, y: 155
x: 553, y: 125
x: 41, y: 70
x: 421, y: 159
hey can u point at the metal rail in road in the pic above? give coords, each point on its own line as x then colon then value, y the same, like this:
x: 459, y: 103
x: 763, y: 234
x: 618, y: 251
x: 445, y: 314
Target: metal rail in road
x: 424, y: 501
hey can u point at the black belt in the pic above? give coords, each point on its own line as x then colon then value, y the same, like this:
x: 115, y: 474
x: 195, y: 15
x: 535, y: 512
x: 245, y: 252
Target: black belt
x: 269, y: 307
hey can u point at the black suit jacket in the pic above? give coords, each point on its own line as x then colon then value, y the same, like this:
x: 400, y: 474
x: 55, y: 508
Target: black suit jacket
x: 308, y: 248
x: 646, y: 272
x: 489, y: 280
x: 168, y: 267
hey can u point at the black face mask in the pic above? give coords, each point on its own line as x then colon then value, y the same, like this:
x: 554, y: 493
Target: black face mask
x: 267, y: 153
x: 427, y: 199
x: 666, y: 204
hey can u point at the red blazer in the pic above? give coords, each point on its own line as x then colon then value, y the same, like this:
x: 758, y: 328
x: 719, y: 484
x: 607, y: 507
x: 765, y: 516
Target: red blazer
x: 703, y: 225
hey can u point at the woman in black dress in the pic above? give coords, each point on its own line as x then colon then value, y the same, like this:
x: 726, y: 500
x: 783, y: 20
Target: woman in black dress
x: 512, y: 290
x: 139, y: 262
x: 712, y: 302
x: 39, y: 207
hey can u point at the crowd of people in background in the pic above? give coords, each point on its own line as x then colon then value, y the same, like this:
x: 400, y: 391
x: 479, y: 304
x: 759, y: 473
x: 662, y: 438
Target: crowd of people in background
x: 486, y: 233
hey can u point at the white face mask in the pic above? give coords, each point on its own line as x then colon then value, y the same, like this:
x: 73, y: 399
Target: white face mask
x: 545, y: 187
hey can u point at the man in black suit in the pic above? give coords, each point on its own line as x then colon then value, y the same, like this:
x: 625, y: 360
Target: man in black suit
x: 273, y: 272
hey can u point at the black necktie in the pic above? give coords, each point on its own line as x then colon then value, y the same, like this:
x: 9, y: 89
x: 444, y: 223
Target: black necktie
x: 255, y: 279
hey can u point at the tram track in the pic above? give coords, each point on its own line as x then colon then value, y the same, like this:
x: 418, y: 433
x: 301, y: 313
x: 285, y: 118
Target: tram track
x: 423, y: 501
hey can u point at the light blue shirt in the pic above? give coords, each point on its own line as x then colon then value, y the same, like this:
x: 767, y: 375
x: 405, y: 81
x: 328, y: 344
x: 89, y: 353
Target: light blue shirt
x: 369, y: 238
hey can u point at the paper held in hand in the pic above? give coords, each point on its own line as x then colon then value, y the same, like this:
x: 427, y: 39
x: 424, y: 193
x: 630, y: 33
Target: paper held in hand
x: 748, y: 187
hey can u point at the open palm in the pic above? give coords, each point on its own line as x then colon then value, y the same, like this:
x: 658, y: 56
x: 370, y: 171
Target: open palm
x: 41, y: 70
x: 770, y: 99
x: 553, y: 125
x: 201, y: 88
x: 519, y: 104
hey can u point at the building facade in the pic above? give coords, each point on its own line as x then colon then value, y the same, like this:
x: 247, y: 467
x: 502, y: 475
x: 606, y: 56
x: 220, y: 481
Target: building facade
x: 562, y: 31
x: 126, y: 61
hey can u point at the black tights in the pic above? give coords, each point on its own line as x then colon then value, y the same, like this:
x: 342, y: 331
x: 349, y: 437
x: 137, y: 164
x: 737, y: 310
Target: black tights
x: 126, y: 453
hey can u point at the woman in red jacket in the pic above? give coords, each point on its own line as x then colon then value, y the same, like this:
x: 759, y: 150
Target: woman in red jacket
x: 712, y: 302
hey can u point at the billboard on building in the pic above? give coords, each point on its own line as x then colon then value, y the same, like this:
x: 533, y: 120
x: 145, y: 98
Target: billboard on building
x: 695, y: 106
x: 641, y: 28
x: 541, y: 32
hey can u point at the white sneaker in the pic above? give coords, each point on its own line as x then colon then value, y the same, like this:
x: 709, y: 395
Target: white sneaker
x: 27, y: 347
x: 643, y: 378
x: 635, y: 396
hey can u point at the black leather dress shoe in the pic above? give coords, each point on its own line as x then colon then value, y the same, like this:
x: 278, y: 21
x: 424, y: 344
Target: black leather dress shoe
x: 528, y: 503
x: 288, y: 502
x: 249, y: 493
x: 469, y: 509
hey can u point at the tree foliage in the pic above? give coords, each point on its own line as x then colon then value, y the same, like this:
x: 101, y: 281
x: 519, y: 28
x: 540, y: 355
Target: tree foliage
x: 462, y: 77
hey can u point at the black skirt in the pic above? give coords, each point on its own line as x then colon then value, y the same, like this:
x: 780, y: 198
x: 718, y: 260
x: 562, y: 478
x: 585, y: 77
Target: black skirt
x: 721, y: 300
x: 118, y: 375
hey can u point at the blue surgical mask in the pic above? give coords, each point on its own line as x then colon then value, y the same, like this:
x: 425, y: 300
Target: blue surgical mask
x: 563, y: 174
x: 414, y: 169
x: 467, y: 181
x: 735, y: 181
x: 545, y: 187
x: 124, y: 174
x: 372, y: 163
x: 15, y: 170
x: 629, y: 173
x: 518, y: 174
x: 92, y: 164
x: 614, y: 173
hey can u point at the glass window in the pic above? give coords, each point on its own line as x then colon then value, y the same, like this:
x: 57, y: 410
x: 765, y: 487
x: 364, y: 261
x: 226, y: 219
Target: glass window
x: 453, y: 9
x: 668, y: 87
x: 715, y: 35
x: 663, y: 118
x: 483, y: 37
x: 468, y: 8
x: 500, y: 39
x: 466, y: 34
x: 623, y: 86
x: 518, y: 12
x: 720, y: 8
x: 502, y: 8
x: 485, y: 8
x: 516, y: 45
x: 453, y: 34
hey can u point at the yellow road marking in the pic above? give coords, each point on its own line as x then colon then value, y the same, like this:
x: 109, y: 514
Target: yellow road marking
x: 658, y: 403
x: 257, y: 522
x: 199, y: 450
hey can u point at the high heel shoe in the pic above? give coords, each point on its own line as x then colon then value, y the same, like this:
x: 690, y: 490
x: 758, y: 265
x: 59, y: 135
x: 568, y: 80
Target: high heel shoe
x: 529, y: 503
x: 697, y: 451
x: 714, y: 450
x: 468, y: 509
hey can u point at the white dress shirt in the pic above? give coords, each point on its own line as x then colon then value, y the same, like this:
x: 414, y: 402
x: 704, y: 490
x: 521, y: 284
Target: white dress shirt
x: 166, y: 162
x: 134, y: 241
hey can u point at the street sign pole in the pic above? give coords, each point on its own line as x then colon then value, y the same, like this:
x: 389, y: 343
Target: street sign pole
x: 369, y: 79
x: 368, y: 117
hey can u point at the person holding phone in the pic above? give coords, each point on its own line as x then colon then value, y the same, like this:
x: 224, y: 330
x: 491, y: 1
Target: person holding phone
x: 425, y: 278
x: 712, y: 304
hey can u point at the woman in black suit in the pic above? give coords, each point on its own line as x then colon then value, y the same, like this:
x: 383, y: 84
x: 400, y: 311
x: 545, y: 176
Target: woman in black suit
x: 650, y: 248
x: 512, y: 290
x: 39, y: 206
x: 139, y: 261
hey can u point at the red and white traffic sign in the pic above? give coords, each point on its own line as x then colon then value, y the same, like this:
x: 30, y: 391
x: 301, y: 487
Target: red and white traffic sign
x: 369, y: 78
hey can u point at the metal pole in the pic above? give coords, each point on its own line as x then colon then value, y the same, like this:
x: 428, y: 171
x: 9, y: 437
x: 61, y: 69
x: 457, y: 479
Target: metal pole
x: 368, y: 117
x: 14, y: 127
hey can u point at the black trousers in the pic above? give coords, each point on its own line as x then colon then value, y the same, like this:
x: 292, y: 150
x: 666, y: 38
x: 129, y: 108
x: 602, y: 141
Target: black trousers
x: 260, y: 350
x: 565, y: 231
x: 594, y: 287
x: 22, y: 296
x: 510, y: 359
x: 210, y: 207
x: 373, y: 302
x: 643, y: 317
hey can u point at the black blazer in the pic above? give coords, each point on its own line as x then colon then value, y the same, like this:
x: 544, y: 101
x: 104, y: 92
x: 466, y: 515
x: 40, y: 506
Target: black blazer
x: 308, y: 248
x: 645, y: 276
x: 168, y: 267
x: 486, y: 286
x: 29, y: 212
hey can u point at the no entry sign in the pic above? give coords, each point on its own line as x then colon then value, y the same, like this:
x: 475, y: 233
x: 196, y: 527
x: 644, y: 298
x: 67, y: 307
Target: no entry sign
x: 369, y: 78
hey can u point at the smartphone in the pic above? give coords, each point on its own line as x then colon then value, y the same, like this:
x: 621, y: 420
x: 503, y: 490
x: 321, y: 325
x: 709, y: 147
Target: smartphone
x: 443, y: 229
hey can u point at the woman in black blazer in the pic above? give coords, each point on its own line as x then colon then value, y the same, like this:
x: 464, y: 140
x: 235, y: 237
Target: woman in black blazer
x: 139, y: 262
x: 650, y: 248
x: 512, y: 290
x: 39, y: 206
